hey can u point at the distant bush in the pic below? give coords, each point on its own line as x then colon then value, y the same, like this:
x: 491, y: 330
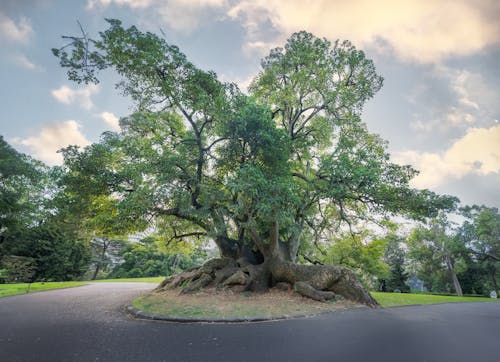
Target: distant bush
x: 145, y: 260
x: 17, y: 269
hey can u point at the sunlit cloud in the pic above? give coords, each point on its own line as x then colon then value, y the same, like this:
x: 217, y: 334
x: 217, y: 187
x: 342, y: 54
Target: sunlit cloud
x: 111, y: 120
x: 82, y: 96
x: 415, y: 30
x: 51, y: 138
x: 477, y: 152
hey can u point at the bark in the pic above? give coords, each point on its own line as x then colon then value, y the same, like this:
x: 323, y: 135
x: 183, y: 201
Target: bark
x: 308, y: 291
x: 236, y: 249
x: 454, y: 278
x: 105, y: 246
x: 494, y: 280
x: 326, y: 278
x: 96, y: 271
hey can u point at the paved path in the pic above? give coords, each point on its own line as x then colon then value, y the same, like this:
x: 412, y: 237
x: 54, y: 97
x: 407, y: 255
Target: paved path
x: 87, y: 324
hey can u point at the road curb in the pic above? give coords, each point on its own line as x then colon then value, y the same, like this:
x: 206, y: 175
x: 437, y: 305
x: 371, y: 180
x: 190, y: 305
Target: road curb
x: 139, y: 314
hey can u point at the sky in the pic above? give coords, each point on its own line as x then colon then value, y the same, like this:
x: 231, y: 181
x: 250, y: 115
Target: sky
x: 439, y: 109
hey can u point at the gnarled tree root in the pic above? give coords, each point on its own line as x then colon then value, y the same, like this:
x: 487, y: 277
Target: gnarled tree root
x: 318, y: 282
x: 307, y: 290
x: 326, y: 278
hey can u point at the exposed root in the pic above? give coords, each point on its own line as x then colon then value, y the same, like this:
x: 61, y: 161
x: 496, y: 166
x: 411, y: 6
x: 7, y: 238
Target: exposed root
x: 307, y: 290
x: 215, y: 272
x: 195, y: 285
x: 238, y: 278
x: 318, y: 282
x: 326, y: 278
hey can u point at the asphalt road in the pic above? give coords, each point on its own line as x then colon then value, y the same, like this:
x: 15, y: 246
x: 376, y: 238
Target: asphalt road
x: 88, y: 324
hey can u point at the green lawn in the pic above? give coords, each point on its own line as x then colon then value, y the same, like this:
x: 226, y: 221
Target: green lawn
x: 394, y: 299
x: 144, y: 280
x: 21, y: 288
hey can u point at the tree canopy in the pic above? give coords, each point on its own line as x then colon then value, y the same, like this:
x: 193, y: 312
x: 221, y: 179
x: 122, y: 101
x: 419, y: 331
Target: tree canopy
x: 290, y: 163
x: 34, y: 243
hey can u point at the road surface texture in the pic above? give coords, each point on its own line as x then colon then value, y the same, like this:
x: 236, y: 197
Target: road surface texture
x: 88, y: 324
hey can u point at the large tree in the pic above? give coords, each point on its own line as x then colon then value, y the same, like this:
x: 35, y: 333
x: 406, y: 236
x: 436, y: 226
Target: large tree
x: 259, y: 174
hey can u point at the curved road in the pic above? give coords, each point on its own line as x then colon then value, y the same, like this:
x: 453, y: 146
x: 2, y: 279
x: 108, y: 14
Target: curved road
x: 88, y: 324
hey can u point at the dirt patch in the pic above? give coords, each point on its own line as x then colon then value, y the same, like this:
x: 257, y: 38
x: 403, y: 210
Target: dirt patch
x: 212, y: 303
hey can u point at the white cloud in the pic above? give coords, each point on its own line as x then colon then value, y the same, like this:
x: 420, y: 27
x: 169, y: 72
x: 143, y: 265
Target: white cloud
x: 477, y: 152
x: 260, y: 48
x: 422, y: 31
x: 416, y: 30
x: 51, y: 138
x: 446, y: 117
x: 186, y: 15
x: 453, y: 98
x: 24, y: 62
x: 462, y: 81
x: 182, y: 15
x: 12, y: 31
x: 134, y: 4
x: 242, y: 82
x: 457, y: 117
x: 81, y: 96
x: 111, y: 120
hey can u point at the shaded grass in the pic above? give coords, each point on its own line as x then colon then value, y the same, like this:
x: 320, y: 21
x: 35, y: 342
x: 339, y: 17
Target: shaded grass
x: 22, y: 288
x: 395, y: 299
x: 136, y: 280
x: 231, y: 305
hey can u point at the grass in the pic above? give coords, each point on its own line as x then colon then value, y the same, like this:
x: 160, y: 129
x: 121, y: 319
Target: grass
x: 395, y: 299
x: 238, y: 305
x: 136, y: 280
x: 211, y: 304
x: 22, y: 288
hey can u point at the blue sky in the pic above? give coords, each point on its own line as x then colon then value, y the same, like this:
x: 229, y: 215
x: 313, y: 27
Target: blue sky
x: 439, y: 108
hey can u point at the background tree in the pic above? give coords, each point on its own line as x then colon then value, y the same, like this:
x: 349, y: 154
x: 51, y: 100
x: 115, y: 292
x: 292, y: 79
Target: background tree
x: 481, y: 232
x: 361, y: 253
x: 436, y: 249
x: 147, y: 258
x: 30, y: 229
x: 257, y: 174
x: 20, y: 186
x: 395, y: 258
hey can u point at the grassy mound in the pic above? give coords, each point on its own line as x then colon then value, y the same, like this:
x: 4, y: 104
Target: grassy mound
x: 210, y: 303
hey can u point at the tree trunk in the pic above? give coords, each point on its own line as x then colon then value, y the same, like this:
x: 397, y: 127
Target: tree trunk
x: 97, y: 268
x: 456, y: 283
x: 258, y: 266
x: 494, y: 280
x: 105, y: 246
